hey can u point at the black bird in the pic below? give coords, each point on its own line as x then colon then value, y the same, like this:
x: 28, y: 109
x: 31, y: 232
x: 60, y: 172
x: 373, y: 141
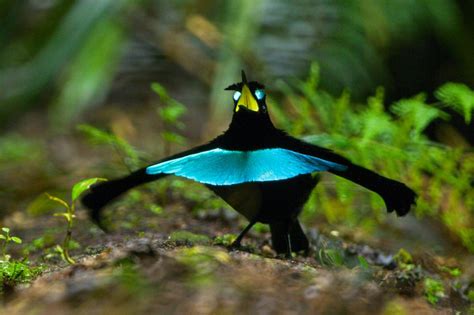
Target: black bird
x: 259, y: 170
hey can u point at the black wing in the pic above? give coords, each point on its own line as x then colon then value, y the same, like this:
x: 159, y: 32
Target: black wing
x: 397, y: 196
x: 104, y: 192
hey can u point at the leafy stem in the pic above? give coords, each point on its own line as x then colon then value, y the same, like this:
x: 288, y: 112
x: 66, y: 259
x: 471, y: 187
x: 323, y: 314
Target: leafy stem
x: 7, y: 238
x: 69, y: 215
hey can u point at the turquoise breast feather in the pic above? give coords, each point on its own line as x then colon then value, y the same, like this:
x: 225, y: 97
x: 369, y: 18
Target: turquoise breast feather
x: 226, y: 167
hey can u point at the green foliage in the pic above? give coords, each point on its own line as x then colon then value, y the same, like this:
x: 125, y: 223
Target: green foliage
x: 80, y: 66
x: 170, y: 114
x: 470, y: 295
x: 434, y: 290
x: 82, y: 186
x: 172, y: 111
x: 453, y: 272
x: 90, y: 73
x: 130, y: 156
x: 261, y: 228
x: 13, y: 272
x: 16, y: 272
x: 40, y: 243
x: 459, y: 97
x: 404, y: 259
x: 156, y: 209
x: 15, y: 149
x: 392, y: 143
x: 330, y: 257
x: 224, y: 240
x: 364, y: 264
x: 5, y: 239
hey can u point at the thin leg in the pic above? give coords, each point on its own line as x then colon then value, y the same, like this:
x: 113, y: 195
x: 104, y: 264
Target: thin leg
x: 238, y: 240
x: 288, y: 246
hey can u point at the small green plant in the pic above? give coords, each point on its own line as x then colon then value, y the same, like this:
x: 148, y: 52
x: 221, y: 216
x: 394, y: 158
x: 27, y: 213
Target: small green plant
x: 15, y: 272
x: 170, y: 114
x: 453, y: 272
x: 434, y: 290
x: 261, y: 228
x: 470, y: 296
x: 69, y: 214
x: 224, y: 240
x: 363, y: 263
x: 129, y: 155
x: 156, y: 209
x: 40, y: 243
x: 404, y: 260
x: 330, y: 257
x: 42, y: 204
x: 458, y: 97
x: 6, y: 238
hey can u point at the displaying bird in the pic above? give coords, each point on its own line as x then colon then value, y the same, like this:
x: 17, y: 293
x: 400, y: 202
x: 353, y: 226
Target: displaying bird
x: 259, y: 170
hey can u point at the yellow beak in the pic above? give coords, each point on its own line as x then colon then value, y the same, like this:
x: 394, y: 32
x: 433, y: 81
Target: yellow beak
x: 247, y: 100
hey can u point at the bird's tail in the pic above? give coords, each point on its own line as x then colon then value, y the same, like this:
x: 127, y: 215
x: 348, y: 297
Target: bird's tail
x: 102, y: 193
x: 397, y: 196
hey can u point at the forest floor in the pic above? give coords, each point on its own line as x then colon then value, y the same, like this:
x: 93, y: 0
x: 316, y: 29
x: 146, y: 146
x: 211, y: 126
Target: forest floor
x: 187, y: 269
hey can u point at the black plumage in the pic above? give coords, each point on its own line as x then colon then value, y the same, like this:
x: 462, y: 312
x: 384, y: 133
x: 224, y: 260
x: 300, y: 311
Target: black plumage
x: 277, y: 203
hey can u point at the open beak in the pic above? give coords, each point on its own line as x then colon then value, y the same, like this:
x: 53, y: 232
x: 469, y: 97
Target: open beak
x: 247, y: 100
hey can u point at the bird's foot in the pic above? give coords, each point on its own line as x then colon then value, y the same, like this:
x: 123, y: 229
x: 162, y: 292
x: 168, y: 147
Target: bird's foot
x: 234, y: 246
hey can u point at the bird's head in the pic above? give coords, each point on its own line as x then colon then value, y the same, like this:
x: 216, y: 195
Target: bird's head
x: 248, y: 96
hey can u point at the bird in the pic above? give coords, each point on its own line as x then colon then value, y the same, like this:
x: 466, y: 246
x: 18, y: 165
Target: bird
x: 259, y: 170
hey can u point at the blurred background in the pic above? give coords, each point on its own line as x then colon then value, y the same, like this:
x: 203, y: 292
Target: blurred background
x: 386, y: 83
x: 98, y: 88
x: 70, y: 57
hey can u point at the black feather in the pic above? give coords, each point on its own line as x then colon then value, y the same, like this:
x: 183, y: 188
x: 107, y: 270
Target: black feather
x: 277, y: 203
x: 244, y: 77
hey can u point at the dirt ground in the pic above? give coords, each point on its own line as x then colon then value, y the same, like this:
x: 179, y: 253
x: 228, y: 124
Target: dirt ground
x: 177, y: 264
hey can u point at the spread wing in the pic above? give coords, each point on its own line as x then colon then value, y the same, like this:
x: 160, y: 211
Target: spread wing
x: 102, y: 193
x: 397, y: 196
x: 228, y: 167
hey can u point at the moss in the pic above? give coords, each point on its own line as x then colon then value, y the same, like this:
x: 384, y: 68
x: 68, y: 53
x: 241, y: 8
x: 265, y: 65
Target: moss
x: 16, y: 272
x: 189, y: 238
x: 470, y: 296
x: 202, y: 263
x: 434, y: 290
x: 395, y: 307
x: 224, y: 240
x: 261, y: 228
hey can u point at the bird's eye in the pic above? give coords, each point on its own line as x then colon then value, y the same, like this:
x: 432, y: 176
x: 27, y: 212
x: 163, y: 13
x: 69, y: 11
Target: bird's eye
x: 259, y: 94
x: 236, y: 95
